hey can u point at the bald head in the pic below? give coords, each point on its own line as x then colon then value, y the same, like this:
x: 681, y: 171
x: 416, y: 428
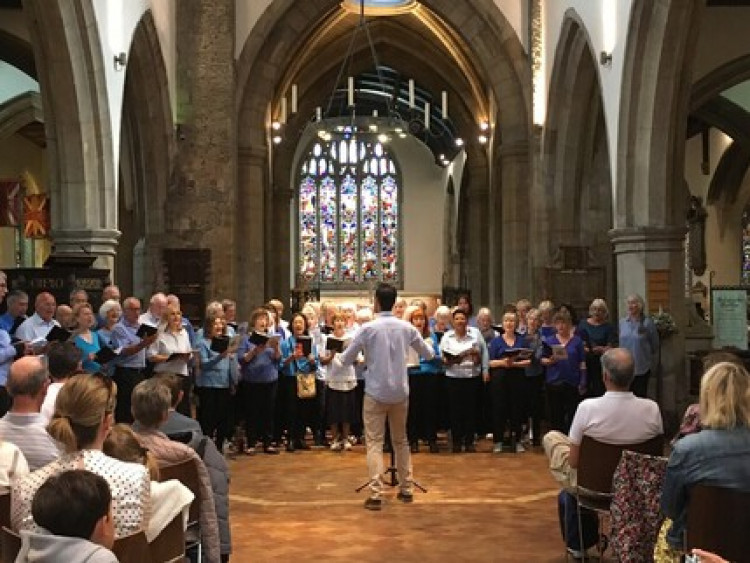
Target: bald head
x: 28, y: 378
x: 618, y: 365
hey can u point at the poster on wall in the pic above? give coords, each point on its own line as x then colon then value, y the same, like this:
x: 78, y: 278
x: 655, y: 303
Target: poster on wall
x: 729, y: 316
x: 36, y: 215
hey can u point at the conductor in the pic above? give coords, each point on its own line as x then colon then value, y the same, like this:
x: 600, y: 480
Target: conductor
x: 385, y: 343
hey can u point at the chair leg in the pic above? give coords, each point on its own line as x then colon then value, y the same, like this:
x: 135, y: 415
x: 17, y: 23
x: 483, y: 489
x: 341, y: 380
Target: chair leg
x: 581, y: 548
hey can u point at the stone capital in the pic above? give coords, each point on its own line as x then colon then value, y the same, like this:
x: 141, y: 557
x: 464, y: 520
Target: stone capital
x: 647, y: 239
x: 97, y: 242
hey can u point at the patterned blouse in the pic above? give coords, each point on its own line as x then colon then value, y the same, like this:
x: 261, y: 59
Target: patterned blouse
x: 129, y: 482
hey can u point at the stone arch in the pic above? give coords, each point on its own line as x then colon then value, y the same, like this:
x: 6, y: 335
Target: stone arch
x: 69, y: 64
x: 577, y: 191
x: 147, y: 151
x: 19, y: 112
x: 501, y: 65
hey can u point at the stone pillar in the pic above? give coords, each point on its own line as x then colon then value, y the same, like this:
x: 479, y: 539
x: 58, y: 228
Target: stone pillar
x: 201, y: 201
x: 638, y: 251
x: 475, y: 233
x: 77, y: 242
x: 251, y: 233
x: 513, y: 246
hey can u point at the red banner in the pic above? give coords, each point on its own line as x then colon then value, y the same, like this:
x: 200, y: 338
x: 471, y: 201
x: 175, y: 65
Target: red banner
x: 10, y: 202
x: 37, y: 216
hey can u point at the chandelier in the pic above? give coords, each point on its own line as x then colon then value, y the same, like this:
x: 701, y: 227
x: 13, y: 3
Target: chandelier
x: 380, y: 104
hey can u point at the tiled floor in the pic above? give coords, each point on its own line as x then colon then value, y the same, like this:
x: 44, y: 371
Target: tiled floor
x: 479, y: 507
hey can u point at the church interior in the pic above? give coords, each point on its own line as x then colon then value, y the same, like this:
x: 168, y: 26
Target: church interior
x: 560, y: 150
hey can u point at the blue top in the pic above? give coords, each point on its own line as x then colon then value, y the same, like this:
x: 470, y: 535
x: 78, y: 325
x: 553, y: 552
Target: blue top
x: 429, y: 367
x: 718, y: 457
x: 216, y: 371
x: 547, y: 331
x: 498, y: 345
x: 299, y: 365
x: 123, y: 336
x: 7, y: 355
x: 6, y: 322
x: 262, y: 368
x: 604, y: 334
x: 89, y: 366
x: 642, y: 339
x: 567, y: 371
x: 535, y: 368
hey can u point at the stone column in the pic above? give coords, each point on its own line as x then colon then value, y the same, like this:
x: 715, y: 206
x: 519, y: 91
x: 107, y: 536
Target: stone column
x: 513, y: 247
x: 639, y: 250
x: 475, y: 233
x: 201, y: 202
x: 251, y: 233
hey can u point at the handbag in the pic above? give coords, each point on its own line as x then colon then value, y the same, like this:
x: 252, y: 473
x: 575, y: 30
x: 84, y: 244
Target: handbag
x: 305, y: 385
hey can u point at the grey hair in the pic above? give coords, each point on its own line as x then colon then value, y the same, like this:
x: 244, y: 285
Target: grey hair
x: 31, y: 384
x: 619, y: 365
x: 107, y: 306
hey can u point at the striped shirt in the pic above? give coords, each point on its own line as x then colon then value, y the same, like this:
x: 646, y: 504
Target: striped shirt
x: 29, y: 433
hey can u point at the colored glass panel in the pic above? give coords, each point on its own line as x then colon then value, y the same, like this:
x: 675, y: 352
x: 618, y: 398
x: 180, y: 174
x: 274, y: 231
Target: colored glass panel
x: 369, y: 206
x: 389, y: 228
x: 349, y: 229
x: 308, y: 240
x: 328, y: 212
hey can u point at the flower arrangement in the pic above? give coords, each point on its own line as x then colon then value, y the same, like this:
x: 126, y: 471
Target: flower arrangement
x: 664, y: 322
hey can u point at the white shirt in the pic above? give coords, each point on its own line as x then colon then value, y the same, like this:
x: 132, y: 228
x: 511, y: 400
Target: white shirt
x: 452, y: 344
x: 169, y: 343
x: 48, y: 406
x: 618, y: 417
x: 385, y: 343
x: 35, y: 328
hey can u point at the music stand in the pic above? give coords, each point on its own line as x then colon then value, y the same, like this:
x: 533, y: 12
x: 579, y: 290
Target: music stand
x: 392, y: 471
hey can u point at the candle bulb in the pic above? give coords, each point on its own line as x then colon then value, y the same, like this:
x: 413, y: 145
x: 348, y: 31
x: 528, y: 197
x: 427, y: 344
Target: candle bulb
x: 318, y: 113
x: 351, y: 91
x: 283, y: 110
x: 411, y: 94
x: 427, y: 115
x: 445, y: 104
x: 294, y: 98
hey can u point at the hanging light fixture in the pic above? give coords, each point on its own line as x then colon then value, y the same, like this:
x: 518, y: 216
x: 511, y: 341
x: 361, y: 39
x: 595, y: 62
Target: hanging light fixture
x: 382, y: 105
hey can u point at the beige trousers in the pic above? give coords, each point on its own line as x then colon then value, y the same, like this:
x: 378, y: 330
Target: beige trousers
x: 374, y: 414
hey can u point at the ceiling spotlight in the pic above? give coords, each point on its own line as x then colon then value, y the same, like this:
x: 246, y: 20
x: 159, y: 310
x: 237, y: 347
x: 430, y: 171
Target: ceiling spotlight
x: 484, y: 125
x: 322, y: 133
x: 402, y: 135
x: 459, y: 142
x: 276, y: 125
x: 383, y: 138
x: 373, y: 128
x: 277, y: 139
x: 482, y: 139
x: 399, y: 130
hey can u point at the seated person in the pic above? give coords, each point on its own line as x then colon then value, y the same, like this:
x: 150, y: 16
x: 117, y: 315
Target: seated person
x: 74, y: 509
x: 150, y: 402
x: 176, y: 422
x: 83, y: 417
x: 719, y: 454
x: 618, y: 417
x: 168, y: 498
x: 23, y: 425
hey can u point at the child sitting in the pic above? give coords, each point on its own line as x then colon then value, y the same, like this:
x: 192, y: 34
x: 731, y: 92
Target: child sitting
x: 74, y: 508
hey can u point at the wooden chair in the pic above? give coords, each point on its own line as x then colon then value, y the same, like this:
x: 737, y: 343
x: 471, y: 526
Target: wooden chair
x: 11, y: 544
x: 596, y: 466
x: 133, y: 548
x: 186, y: 472
x: 169, y: 545
x: 718, y: 520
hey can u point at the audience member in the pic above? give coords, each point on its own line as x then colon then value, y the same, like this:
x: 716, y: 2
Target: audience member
x: 74, y: 509
x: 618, y: 417
x: 168, y: 498
x: 82, y: 420
x: 63, y: 362
x: 24, y: 425
x: 151, y: 401
x: 176, y: 423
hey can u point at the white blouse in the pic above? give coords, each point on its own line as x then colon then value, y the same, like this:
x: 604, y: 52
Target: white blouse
x: 129, y: 483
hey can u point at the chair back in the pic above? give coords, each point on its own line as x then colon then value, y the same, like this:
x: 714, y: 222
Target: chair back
x: 5, y: 509
x: 132, y: 549
x: 169, y: 545
x: 11, y: 544
x: 718, y: 520
x: 597, y: 461
x: 186, y: 472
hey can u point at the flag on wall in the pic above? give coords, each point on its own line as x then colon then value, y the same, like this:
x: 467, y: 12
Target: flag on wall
x: 37, y: 216
x: 10, y: 202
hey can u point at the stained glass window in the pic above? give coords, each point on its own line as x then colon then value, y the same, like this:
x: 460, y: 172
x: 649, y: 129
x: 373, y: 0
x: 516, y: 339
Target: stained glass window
x: 349, y: 214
